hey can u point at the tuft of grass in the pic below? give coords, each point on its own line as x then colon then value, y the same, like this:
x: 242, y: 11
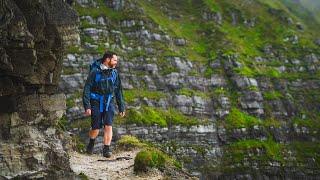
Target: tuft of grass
x: 82, y: 176
x: 219, y: 91
x: 238, y: 119
x: 128, y: 142
x: 78, y: 144
x: 62, y: 123
x: 271, y: 122
x: 73, y: 50
x: 151, y: 157
x: 272, y: 95
x: 246, y: 71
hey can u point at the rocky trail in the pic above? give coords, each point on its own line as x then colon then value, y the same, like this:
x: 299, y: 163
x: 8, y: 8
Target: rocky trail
x: 119, y: 166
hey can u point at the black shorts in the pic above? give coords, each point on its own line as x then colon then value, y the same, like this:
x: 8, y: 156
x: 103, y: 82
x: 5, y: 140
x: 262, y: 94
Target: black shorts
x: 98, y: 119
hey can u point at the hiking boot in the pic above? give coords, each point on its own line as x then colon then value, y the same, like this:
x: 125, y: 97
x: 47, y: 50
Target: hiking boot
x: 90, y: 146
x: 107, y: 151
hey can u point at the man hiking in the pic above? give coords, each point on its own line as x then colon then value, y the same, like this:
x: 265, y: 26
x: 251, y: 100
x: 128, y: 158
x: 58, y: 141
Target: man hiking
x: 102, y: 84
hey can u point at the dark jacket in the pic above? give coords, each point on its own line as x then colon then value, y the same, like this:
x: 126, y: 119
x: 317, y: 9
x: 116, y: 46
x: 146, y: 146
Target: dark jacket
x: 92, y: 86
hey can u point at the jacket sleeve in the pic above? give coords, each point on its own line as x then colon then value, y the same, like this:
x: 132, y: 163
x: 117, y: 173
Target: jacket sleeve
x: 87, y: 90
x: 119, y: 95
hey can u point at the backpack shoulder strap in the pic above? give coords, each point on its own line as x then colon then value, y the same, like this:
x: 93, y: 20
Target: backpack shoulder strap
x: 97, y: 76
x: 114, y: 76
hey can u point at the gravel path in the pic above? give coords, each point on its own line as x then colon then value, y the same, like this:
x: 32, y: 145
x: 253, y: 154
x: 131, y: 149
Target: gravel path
x: 119, y: 166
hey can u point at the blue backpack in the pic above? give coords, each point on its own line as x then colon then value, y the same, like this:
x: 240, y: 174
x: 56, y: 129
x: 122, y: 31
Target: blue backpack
x: 95, y: 66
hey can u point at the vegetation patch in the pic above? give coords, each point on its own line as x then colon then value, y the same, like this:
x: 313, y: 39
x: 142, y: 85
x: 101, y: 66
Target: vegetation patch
x: 73, y: 50
x: 154, y: 116
x: 237, y: 119
x: 82, y: 176
x: 128, y: 142
x: 62, y: 123
x: 82, y: 124
x: 183, y: 28
x: 71, y: 100
x: 313, y: 124
x: 131, y: 94
x: 263, y: 151
x: 307, y: 153
x: 271, y: 122
x: 100, y: 10
x: 272, y: 95
x: 152, y: 157
x: 190, y: 93
x: 78, y: 144
x: 149, y: 159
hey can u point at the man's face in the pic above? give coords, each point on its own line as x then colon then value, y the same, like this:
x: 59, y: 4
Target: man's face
x: 112, y: 62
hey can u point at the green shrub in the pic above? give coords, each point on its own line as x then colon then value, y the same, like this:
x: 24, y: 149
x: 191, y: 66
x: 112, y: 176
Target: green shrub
x: 149, y: 158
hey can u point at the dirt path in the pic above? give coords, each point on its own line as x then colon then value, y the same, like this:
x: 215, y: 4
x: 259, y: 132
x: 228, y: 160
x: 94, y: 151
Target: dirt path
x: 119, y: 166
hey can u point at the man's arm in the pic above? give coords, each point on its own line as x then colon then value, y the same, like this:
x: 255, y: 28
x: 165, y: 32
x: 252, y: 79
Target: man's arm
x: 119, y: 95
x: 87, y: 91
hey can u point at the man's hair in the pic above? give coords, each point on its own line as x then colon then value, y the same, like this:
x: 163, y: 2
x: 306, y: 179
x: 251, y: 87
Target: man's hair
x: 108, y: 54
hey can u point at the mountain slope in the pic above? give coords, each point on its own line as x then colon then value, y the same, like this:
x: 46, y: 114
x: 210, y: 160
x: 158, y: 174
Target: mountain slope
x: 226, y: 86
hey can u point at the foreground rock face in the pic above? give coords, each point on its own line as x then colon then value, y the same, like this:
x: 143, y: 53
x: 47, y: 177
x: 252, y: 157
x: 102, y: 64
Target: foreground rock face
x: 33, y: 35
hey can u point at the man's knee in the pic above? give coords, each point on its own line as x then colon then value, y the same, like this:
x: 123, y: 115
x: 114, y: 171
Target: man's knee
x: 93, y: 133
x: 107, y: 128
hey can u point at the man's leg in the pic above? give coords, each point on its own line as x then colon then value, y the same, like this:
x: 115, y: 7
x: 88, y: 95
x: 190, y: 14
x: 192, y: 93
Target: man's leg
x: 107, y: 141
x: 107, y: 135
x: 93, y: 133
x: 108, y: 132
x: 95, y: 126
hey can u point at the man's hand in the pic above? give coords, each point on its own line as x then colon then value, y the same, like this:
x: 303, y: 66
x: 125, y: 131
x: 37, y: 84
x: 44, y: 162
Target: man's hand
x: 122, y: 114
x: 88, y: 112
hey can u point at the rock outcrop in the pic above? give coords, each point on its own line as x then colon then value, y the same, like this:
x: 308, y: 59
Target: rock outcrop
x: 33, y: 37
